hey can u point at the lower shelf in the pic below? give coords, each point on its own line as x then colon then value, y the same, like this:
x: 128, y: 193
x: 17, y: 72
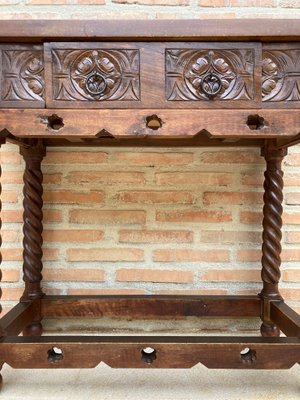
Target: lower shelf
x: 136, y: 351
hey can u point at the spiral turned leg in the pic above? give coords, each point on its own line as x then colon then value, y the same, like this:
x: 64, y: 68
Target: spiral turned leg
x: 32, y: 229
x: 272, y: 223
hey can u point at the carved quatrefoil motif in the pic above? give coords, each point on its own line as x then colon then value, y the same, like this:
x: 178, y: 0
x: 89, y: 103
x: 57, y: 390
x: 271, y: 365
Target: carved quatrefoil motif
x: 96, y: 74
x: 281, y: 75
x: 209, y: 74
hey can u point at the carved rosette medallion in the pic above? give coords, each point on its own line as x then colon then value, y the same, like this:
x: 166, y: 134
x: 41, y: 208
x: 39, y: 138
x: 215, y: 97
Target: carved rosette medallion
x: 209, y: 74
x: 281, y: 75
x: 96, y: 75
x: 22, y: 75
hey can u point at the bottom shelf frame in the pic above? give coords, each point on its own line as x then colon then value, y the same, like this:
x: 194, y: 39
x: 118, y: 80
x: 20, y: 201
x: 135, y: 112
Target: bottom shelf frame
x: 136, y: 351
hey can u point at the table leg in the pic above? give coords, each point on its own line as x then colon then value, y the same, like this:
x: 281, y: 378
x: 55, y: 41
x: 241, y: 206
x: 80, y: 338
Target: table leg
x: 32, y: 229
x: 272, y: 223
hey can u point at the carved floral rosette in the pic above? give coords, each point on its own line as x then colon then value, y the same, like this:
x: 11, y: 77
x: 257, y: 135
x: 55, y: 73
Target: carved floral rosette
x: 95, y: 74
x: 281, y: 75
x: 22, y: 75
x: 209, y: 74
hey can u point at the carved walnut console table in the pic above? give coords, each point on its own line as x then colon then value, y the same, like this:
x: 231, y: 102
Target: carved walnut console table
x: 150, y: 83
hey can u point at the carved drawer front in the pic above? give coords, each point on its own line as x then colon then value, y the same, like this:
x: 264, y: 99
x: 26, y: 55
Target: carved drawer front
x: 22, y: 76
x: 93, y: 75
x: 212, y: 75
x: 281, y: 75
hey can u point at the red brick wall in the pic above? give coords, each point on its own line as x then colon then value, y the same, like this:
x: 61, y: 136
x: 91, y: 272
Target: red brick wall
x: 150, y: 220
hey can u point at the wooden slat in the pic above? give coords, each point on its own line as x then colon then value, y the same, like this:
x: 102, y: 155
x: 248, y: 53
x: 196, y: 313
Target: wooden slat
x: 19, y: 317
x: 132, y: 123
x: 210, y: 30
x: 150, y: 307
x: 170, y: 352
x: 285, y: 318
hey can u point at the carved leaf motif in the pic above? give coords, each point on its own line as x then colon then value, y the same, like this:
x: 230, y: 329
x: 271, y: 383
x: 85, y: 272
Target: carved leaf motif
x: 96, y: 75
x: 281, y: 75
x: 205, y: 74
x: 23, y: 75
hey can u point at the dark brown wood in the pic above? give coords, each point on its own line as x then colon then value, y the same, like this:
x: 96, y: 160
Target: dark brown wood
x: 281, y: 75
x: 1, y: 329
x: 151, y: 30
x: 169, y: 351
x: 272, y: 223
x: 19, y: 317
x: 32, y: 229
x: 126, y: 124
x: 150, y: 307
x: 22, y: 76
x: 149, y: 75
x: 285, y: 318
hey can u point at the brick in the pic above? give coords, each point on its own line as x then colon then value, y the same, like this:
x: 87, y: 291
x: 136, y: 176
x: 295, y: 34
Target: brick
x: 9, y: 236
x: 234, y: 237
x: 231, y: 157
x: 107, y: 217
x: 10, y: 275
x: 291, y: 218
x: 252, y: 255
x: 252, y: 3
x: 232, y: 198
x: 154, y: 275
x: 291, y: 275
x: 190, y: 255
x: 292, y: 160
x: 107, y: 177
x: 155, y: 236
x: 12, y: 216
x: 52, y: 216
x: 66, y: 274
x: 256, y: 179
x: 9, y: 196
x: 290, y: 294
x: 193, y: 178
x: 251, y: 217
x: 292, y: 237
x: 66, y: 196
x: 240, y: 275
x: 69, y: 235
x: 105, y: 254
x: 156, y: 197
x: 193, y: 216
x: 292, y: 199
x: 213, y: 3
x: 11, y: 293
x: 154, y: 2
x: 105, y: 291
x: 9, y: 157
x: 153, y: 159
x: 16, y: 177
x: 76, y: 157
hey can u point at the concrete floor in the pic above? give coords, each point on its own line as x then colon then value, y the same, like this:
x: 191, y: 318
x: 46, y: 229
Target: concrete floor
x: 120, y: 384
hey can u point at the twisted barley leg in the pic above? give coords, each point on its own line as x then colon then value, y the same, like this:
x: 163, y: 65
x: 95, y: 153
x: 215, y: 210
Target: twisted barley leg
x: 32, y: 229
x: 272, y: 223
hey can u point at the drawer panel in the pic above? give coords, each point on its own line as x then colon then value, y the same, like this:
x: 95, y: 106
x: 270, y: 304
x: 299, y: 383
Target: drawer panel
x: 151, y: 75
x: 213, y: 74
x: 22, y: 76
x: 93, y: 75
x: 281, y: 75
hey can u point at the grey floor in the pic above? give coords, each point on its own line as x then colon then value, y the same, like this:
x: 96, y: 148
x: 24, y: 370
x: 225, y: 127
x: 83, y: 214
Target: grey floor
x: 106, y: 383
